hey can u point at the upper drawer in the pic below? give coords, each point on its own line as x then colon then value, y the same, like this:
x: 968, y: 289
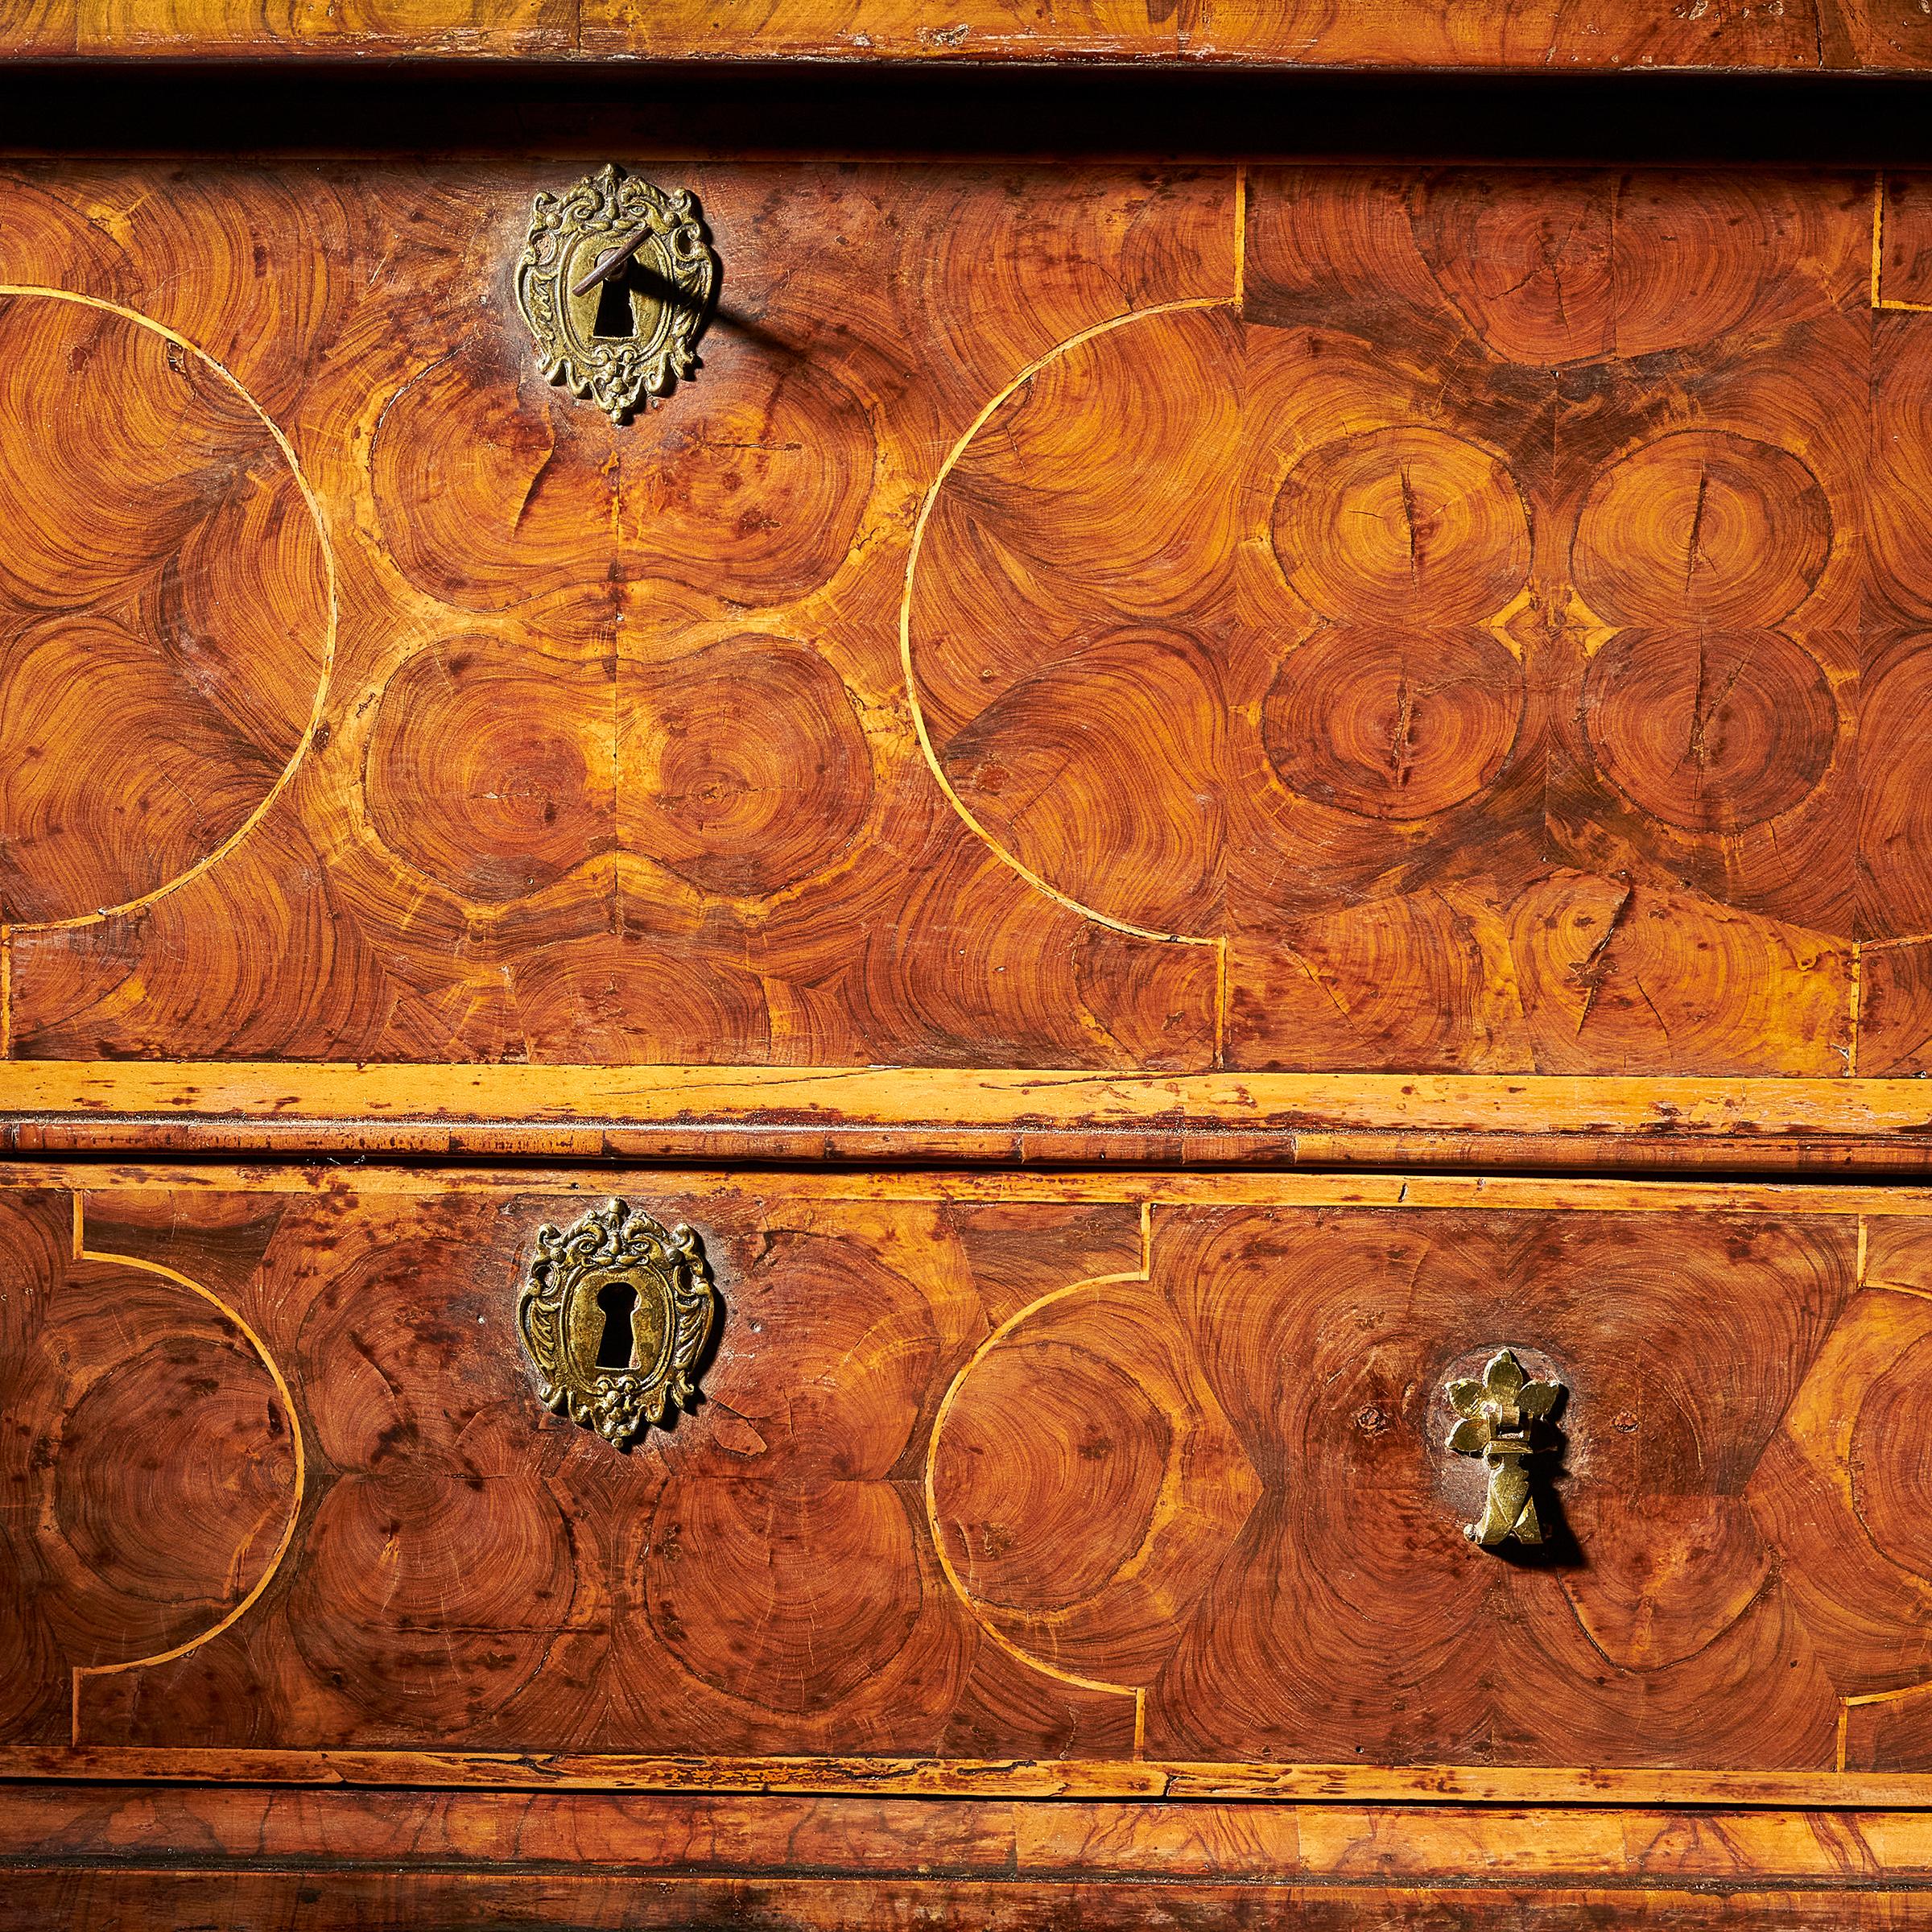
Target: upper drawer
x: 980, y: 1474
x: 1538, y: 35
x: 1325, y: 620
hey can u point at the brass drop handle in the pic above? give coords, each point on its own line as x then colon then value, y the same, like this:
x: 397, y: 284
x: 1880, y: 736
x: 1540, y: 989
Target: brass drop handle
x: 1498, y: 1418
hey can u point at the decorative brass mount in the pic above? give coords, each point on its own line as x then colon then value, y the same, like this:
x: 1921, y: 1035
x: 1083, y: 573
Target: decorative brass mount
x: 1499, y: 1413
x: 616, y: 282
x: 613, y: 1314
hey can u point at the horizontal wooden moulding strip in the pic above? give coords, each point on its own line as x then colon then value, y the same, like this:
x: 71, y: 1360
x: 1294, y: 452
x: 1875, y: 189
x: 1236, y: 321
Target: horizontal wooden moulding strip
x: 686, y: 1834
x: 1519, y: 1786
x: 321, y: 1898
x: 1010, y: 1116
x: 1537, y: 1193
x: 1853, y: 35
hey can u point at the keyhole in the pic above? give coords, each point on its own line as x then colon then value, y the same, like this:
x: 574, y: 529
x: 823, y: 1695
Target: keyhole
x: 619, y: 1303
x: 616, y: 317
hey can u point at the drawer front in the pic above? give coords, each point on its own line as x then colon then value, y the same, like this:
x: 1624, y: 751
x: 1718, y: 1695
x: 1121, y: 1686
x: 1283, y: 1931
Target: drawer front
x: 1877, y: 35
x: 1045, y: 1484
x: 1318, y: 619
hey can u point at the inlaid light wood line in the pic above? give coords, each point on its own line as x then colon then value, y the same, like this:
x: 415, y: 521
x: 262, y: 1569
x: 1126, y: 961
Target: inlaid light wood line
x: 6, y: 992
x: 1237, y: 1188
x: 1878, y: 257
x: 1851, y: 1700
x: 1172, y: 1781
x: 240, y: 1609
x: 1878, y: 234
x: 1906, y: 939
x: 961, y: 1589
x: 1854, y: 978
x: 327, y: 549
x: 1240, y: 239
x: 1220, y: 1001
x: 1502, y: 625
x: 1847, y: 1701
x: 1922, y: 1294
x: 912, y: 565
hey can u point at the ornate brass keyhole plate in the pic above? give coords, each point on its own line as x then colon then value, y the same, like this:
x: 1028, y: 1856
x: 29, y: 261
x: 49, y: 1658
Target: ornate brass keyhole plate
x: 613, y: 1314
x: 615, y: 282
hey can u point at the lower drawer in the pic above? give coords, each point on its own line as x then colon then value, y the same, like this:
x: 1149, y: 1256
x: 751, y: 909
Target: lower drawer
x: 1085, y: 1486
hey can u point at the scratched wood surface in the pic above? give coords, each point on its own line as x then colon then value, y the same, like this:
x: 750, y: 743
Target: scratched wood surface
x: 309, y: 1899
x: 1794, y: 35
x: 988, y: 1473
x: 1018, y: 1117
x: 484, y: 1832
x: 331, y: 1858
x: 1325, y: 619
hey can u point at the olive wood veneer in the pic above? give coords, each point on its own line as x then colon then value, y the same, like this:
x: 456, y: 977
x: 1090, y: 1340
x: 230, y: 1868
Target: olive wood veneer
x: 997, y: 1470
x: 1127, y: 667
x: 1113, y: 1511
x: 334, y: 1859
x: 1220, y: 623
x: 1540, y: 35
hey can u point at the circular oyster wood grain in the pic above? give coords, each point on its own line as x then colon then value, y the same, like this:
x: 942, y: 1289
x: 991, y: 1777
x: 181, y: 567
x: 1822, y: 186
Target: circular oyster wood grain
x: 1409, y: 546
x: 1050, y: 755
x: 1084, y: 1486
x: 1711, y: 732
x: 758, y: 1579
x: 1590, y: 266
x: 168, y: 615
x: 940, y: 1497
x: 1895, y: 818
x: 1712, y: 527
x: 1388, y: 724
x: 487, y: 479
x: 1405, y: 525
x: 430, y: 1599
x: 1123, y: 695
x: 745, y: 766
x: 489, y: 766
x: 1890, y: 1469
x: 1341, y: 618
x: 1499, y: 613
x: 671, y: 864
x: 1836, y: 1496
x: 1670, y: 1610
x: 146, y: 1518
x: 771, y: 1593
x: 1047, y: 1498
x: 149, y: 1471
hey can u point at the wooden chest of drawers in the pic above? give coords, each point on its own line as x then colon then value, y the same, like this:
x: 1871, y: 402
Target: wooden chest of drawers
x: 1086, y: 1093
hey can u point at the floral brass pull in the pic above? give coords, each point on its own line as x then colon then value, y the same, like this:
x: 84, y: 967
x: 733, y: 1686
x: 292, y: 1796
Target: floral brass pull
x: 1498, y: 1414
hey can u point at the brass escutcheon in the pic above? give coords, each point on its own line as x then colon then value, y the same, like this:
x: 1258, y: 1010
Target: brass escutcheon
x: 1498, y: 1418
x: 616, y: 282
x: 613, y: 1314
